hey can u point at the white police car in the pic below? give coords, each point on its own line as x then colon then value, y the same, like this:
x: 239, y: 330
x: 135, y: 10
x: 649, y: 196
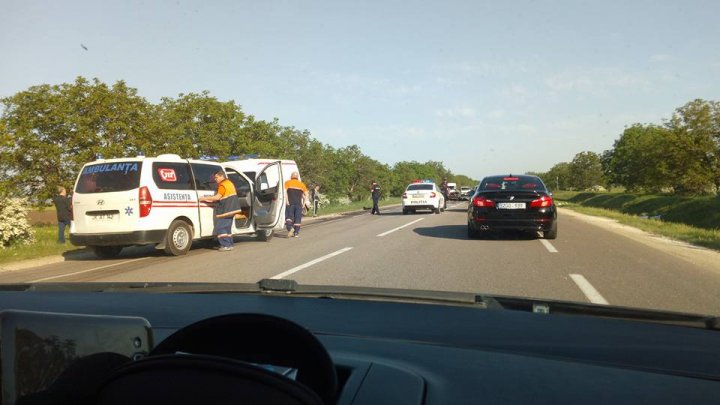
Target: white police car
x: 422, y: 195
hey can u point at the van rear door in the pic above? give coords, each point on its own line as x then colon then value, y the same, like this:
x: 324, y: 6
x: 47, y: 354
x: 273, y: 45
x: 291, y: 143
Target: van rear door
x: 106, y: 197
x: 269, y: 198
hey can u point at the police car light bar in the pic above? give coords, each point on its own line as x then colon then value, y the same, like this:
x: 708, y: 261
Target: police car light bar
x: 422, y: 181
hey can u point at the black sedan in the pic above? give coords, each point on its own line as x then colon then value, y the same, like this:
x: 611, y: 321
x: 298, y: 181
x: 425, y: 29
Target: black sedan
x: 511, y: 202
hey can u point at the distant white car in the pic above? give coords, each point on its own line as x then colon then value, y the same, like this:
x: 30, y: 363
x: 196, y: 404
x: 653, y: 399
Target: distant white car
x: 465, y: 193
x: 422, y: 195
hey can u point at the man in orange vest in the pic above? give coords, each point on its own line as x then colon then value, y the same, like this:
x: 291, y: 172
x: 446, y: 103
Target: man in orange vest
x: 296, y: 195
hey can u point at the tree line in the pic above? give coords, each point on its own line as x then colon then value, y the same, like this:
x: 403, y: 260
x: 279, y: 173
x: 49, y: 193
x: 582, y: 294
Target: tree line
x: 47, y: 132
x: 681, y: 156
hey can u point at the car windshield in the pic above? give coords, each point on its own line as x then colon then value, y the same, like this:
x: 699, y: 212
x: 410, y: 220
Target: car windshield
x: 130, y: 136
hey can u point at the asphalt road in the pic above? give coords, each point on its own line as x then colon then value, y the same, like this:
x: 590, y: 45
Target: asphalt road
x: 588, y: 262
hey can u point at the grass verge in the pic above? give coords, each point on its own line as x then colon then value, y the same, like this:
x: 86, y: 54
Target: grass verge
x: 355, y: 206
x: 45, y: 245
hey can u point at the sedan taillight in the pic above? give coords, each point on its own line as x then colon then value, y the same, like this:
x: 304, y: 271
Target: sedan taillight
x: 404, y: 195
x: 543, y: 201
x: 480, y: 201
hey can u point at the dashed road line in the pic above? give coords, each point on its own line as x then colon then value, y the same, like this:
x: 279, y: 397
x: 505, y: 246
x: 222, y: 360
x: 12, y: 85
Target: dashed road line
x: 400, y: 227
x: 86, y: 271
x: 548, y: 245
x: 310, y: 263
x: 590, y: 292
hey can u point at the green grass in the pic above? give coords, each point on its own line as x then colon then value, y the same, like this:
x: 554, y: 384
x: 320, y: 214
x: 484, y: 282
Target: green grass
x: 45, y: 245
x: 709, y: 238
x: 699, y: 211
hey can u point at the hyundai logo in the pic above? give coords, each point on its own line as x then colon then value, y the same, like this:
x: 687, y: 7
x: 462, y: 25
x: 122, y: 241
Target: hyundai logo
x: 512, y: 197
x: 100, y: 202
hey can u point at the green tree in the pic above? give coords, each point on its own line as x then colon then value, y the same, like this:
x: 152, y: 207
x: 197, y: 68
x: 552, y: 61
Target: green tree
x: 694, y: 155
x: 585, y: 170
x: 639, y: 159
x: 54, y: 130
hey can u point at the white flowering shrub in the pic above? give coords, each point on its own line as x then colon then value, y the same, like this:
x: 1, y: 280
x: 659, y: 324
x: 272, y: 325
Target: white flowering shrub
x: 14, y: 226
x: 342, y: 201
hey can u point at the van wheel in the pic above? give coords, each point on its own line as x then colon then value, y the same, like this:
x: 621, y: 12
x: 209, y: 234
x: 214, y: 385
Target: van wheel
x: 265, y: 235
x: 178, y: 238
x: 437, y: 210
x: 106, y: 252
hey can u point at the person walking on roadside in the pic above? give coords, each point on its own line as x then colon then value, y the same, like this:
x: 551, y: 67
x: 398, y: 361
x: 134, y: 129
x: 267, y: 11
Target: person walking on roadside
x: 63, y: 206
x: 296, y: 194
x: 375, y: 192
x: 227, y: 205
x: 316, y: 199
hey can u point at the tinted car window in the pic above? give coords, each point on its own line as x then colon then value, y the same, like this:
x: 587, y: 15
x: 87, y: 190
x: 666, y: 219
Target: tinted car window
x: 512, y: 183
x: 203, y: 173
x: 109, y: 177
x: 420, y: 187
x: 174, y: 176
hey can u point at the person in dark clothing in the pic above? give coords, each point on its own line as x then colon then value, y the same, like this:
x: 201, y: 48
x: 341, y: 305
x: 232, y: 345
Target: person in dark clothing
x: 444, y: 191
x: 375, y: 192
x: 63, y: 206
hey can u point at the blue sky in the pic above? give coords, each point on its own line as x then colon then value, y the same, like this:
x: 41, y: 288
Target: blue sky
x: 485, y: 87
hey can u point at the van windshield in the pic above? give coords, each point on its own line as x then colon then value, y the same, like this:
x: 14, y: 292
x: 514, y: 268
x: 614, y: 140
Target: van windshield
x: 109, y: 177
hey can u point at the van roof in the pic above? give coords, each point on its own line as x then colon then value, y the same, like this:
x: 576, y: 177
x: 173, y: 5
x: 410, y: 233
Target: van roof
x: 163, y: 157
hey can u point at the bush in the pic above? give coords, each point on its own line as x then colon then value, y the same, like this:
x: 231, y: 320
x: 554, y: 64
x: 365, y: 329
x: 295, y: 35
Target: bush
x: 14, y: 225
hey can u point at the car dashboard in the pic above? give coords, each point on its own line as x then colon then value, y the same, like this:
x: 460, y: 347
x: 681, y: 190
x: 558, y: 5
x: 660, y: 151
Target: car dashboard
x: 397, y: 352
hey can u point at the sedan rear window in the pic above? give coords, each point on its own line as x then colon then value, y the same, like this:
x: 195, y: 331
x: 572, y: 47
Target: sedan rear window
x: 420, y: 187
x: 512, y: 183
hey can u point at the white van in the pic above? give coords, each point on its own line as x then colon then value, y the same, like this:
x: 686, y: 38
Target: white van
x: 155, y: 201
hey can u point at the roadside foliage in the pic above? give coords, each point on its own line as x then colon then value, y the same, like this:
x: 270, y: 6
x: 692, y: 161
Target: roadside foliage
x: 681, y: 156
x: 14, y: 226
x: 48, y: 132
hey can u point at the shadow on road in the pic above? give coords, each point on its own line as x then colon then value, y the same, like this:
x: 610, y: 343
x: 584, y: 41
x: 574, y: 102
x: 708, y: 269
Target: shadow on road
x: 460, y: 232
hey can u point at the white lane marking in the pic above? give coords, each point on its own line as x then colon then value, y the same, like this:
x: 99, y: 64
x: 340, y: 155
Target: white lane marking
x: 310, y: 263
x: 548, y: 246
x: 590, y: 292
x: 400, y: 227
x: 86, y: 271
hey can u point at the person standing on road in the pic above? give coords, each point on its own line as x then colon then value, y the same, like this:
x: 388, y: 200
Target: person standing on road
x: 63, y: 206
x: 296, y: 194
x: 227, y: 205
x: 444, y: 191
x: 316, y: 199
x: 375, y: 193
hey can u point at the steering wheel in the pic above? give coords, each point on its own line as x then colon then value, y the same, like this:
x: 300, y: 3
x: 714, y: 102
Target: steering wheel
x: 259, y: 339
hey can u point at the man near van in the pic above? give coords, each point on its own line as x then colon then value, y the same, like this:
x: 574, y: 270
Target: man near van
x: 227, y: 206
x: 296, y: 194
x: 63, y: 206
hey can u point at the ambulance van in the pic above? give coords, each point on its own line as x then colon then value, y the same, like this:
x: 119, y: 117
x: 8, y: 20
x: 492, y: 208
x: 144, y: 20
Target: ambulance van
x: 155, y: 201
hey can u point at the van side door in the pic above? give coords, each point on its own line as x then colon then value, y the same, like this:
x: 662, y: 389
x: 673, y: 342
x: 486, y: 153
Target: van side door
x: 244, y: 193
x: 205, y: 185
x: 269, y: 196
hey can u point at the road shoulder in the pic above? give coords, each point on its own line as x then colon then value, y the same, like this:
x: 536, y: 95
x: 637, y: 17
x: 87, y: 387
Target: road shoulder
x: 700, y: 256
